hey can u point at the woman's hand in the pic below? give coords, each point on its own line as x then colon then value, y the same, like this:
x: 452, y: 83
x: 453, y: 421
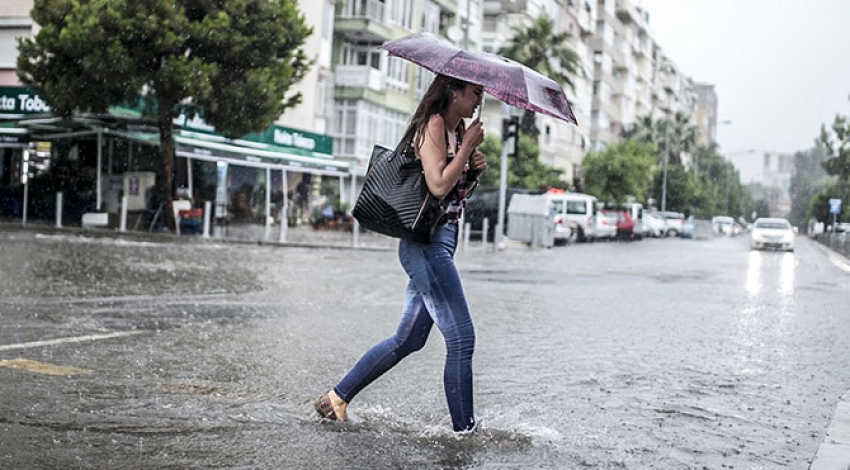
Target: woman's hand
x: 477, y: 162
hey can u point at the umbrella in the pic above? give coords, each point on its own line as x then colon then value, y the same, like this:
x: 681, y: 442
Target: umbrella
x: 501, y: 77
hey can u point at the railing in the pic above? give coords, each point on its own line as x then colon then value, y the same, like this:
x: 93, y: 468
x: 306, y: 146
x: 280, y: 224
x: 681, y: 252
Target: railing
x: 370, y: 9
x: 361, y: 76
x: 838, y: 242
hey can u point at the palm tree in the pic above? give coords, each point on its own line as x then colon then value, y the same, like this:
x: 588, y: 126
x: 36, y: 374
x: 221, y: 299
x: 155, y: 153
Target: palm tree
x: 645, y: 129
x: 546, y: 51
x: 683, y: 134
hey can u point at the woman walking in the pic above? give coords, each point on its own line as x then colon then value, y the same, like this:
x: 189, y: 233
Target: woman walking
x: 450, y: 163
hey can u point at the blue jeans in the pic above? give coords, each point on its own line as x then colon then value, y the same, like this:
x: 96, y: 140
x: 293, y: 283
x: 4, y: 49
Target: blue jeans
x: 434, y: 295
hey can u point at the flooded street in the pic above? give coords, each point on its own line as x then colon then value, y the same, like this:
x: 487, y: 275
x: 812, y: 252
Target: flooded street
x: 655, y: 354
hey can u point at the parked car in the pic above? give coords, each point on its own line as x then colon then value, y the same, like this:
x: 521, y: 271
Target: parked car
x: 576, y: 208
x: 772, y: 233
x: 654, y: 226
x: 674, y: 222
x: 484, y: 204
x: 722, y: 225
x: 606, y: 225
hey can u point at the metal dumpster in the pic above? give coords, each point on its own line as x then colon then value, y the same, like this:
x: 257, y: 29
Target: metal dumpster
x: 531, y: 221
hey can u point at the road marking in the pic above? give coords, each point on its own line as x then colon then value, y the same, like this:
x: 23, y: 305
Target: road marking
x: 838, y: 261
x: 73, y: 339
x: 42, y: 367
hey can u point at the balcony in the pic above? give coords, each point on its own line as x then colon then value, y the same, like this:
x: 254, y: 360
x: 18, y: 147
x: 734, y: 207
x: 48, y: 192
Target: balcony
x: 363, y: 20
x: 625, y: 10
x: 359, y: 76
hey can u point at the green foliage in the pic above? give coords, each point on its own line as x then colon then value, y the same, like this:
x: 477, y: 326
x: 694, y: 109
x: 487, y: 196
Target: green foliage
x: 680, y: 188
x: 711, y: 187
x: 717, y: 189
x: 678, y: 133
x: 235, y: 59
x: 819, y: 205
x: 836, y: 143
x: 524, y: 171
x: 621, y: 170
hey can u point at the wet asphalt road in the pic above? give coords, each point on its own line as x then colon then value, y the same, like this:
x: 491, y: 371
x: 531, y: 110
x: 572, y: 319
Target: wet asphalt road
x: 657, y: 354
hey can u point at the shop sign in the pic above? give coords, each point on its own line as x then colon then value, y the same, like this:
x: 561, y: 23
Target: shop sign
x: 305, y: 142
x: 21, y: 100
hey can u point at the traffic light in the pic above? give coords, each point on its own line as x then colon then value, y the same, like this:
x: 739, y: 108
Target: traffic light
x: 510, y: 126
x: 510, y: 134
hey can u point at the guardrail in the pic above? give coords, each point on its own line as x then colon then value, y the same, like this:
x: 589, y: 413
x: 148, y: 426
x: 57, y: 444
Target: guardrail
x: 839, y: 242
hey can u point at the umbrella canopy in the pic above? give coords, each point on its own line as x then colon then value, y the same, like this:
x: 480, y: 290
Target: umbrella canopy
x: 501, y: 77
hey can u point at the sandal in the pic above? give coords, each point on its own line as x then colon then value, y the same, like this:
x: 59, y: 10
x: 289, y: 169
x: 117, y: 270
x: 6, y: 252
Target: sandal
x: 324, y: 407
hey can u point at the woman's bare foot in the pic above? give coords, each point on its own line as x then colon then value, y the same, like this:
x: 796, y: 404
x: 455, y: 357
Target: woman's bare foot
x: 339, y: 405
x: 331, y: 406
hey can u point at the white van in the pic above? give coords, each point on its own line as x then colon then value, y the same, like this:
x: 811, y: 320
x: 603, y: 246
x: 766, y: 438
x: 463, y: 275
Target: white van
x: 573, y: 209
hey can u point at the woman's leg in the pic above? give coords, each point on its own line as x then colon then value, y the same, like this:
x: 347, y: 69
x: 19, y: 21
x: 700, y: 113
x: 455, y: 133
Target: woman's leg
x: 431, y: 268
x: 411, y: 335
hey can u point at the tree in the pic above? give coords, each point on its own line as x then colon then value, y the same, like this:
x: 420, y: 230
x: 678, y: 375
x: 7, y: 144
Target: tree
x: 524, y: 171
x: 541, y: 48
x: 836, y: 142
x: 232, y: 59
x: 679, y: 188
x: 621, y: 170
x: 645, y: 129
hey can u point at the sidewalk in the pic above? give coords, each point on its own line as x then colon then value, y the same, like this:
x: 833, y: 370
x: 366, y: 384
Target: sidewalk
x: 302, y: 236
x: 834, y: 451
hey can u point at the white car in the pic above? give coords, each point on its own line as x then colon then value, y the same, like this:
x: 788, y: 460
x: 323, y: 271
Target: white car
x: 653, y: 225
x: 772, y: 233
x: 674, y: 222
x: 722, y: 225
x: 606, y: 225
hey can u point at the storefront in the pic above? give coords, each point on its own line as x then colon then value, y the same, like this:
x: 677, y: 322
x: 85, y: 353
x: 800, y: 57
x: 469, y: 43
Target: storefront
x: 252, y: 180
x: 20, y: 156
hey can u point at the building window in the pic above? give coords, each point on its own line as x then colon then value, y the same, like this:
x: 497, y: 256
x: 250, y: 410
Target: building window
x: 397, y: 78
x: 402, y: 13
x: 431, y: 18
x: 356, y: 54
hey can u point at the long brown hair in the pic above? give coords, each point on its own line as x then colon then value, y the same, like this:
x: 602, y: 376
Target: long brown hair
x: 434, y: 101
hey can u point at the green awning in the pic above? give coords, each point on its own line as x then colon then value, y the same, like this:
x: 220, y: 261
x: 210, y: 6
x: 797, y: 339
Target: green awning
x: 214, y: 148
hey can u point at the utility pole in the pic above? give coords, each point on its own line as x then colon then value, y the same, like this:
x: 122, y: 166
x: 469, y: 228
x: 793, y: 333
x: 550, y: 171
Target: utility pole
x: 666, y: 157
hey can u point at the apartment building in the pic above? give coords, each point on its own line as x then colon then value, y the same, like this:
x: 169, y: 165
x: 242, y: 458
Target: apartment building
x: 374, y: 94
x: 632, y: 75
x: 15, y: 22
x: 706, y: 113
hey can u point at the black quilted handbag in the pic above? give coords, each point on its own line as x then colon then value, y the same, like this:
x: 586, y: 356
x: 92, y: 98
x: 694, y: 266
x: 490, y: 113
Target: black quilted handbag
x: 395, y: 200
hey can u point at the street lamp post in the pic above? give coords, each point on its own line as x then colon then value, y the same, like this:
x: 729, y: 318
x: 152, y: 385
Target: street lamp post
x: 666, y: 157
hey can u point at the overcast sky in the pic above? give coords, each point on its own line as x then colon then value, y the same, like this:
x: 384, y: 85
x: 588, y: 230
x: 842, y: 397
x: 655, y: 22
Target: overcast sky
x: 781, y: 68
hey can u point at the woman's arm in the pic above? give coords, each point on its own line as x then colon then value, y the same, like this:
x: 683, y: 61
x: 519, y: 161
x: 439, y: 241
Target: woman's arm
x: 440, y: 176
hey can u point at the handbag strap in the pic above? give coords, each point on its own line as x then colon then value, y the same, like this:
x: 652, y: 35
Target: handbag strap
x: 406, y: 140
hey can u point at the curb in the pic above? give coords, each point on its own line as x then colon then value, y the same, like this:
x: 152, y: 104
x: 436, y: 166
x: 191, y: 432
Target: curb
x: 834, y: 451
x: 171, y: 238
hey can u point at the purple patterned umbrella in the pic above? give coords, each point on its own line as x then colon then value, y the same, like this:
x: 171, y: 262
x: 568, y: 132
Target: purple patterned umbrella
x: 503, y: 78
